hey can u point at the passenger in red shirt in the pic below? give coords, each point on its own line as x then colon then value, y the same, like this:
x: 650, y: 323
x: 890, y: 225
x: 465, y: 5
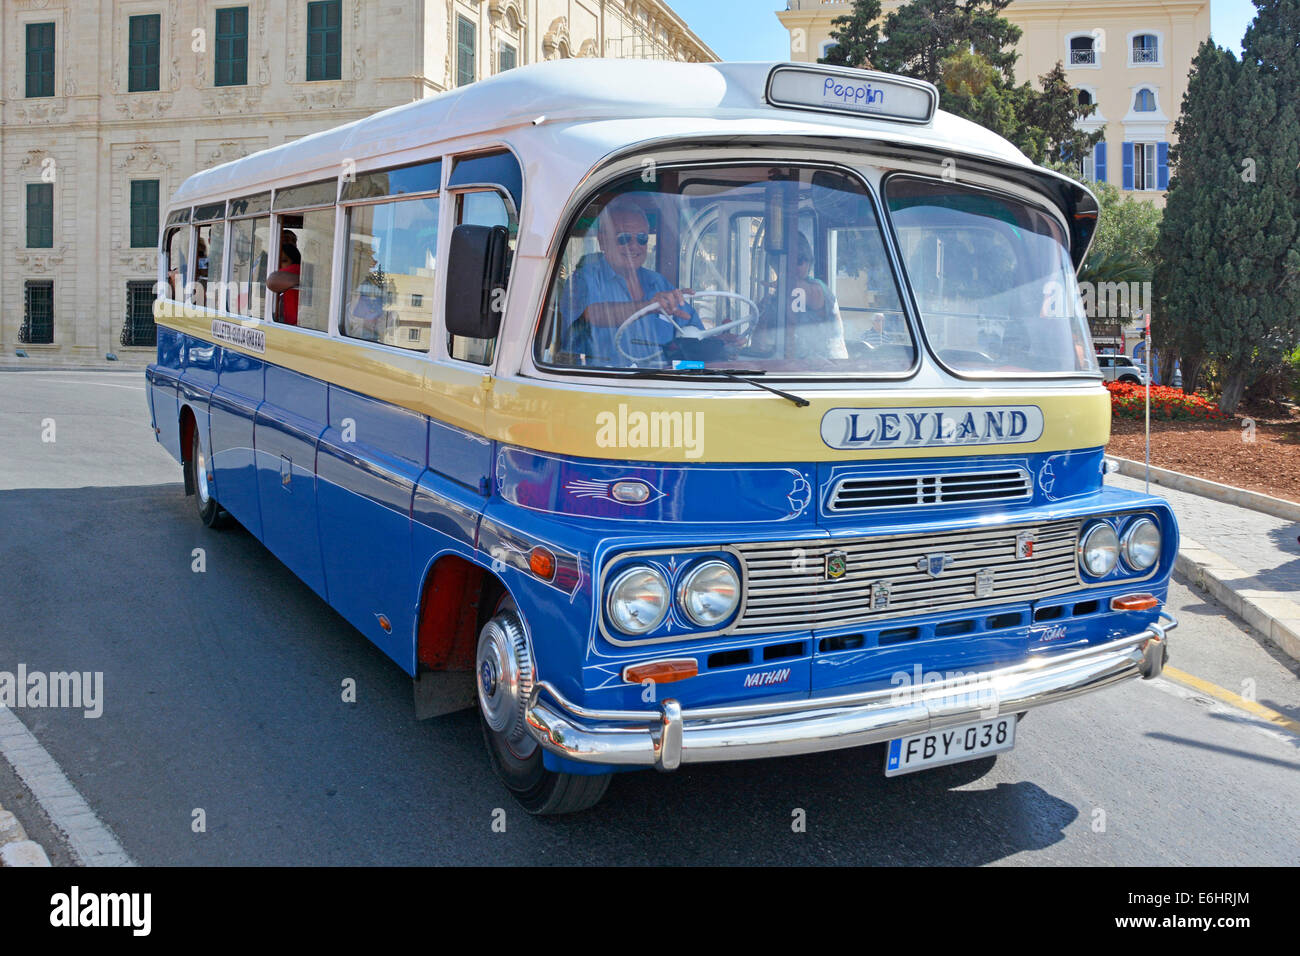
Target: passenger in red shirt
x: 285, y: 282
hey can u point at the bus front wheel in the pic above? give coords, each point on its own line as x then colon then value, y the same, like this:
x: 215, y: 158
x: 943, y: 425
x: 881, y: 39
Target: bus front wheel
x: 504, y: 675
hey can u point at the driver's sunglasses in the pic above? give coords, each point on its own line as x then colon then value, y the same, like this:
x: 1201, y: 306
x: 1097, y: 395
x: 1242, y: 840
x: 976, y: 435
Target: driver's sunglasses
x: 625, y: 237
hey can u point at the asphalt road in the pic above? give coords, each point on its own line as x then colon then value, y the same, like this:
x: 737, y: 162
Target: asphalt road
x: 222, y: 692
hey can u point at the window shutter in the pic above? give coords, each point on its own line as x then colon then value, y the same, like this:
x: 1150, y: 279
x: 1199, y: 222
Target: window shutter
x: 1162, y: 165
x: 1099, y: 161
x: 1128, y: 165
x: 40, y: 59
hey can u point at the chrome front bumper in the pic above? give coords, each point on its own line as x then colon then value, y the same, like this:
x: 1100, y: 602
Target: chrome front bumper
x: 671, y: 736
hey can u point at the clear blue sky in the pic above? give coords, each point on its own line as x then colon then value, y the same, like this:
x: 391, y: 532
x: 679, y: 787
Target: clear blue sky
x: 749, y: 29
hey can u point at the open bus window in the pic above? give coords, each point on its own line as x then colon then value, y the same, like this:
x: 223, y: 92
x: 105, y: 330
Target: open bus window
x: 771, y: 268
x: 992, y: 277
x: 176, y: 247
x: 209, y: 248
x: 301, y: 282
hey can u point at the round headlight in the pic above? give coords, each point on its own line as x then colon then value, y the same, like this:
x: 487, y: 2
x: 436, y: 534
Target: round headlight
x: 1141, y: 544
x: 638, y: 600
x: 1099, y: 549
x: 710, y: 593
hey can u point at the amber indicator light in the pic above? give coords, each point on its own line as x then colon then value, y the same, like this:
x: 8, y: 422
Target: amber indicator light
x: 1134, y: 602
x: 542, y: 563
x: 661, y: 672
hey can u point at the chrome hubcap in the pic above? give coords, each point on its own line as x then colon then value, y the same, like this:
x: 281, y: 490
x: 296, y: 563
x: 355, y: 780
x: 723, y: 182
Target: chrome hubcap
x: 201, y: 473
x: 505, y: 681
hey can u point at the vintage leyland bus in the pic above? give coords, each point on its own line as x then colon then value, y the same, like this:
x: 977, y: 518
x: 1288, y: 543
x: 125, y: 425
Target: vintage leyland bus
x: 670, y: 413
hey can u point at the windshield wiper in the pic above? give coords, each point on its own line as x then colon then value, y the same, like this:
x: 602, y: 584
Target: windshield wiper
x: 735, y: 374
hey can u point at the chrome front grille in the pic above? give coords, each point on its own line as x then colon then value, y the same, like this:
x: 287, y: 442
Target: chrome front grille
x: 911, y: 491
x: 787, y: 588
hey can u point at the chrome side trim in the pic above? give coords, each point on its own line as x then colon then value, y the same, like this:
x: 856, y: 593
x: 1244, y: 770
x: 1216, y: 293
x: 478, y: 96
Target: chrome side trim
x: 671, y: 736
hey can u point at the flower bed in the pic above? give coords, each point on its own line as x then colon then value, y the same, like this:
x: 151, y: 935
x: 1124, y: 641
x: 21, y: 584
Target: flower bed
x: 1129, y: 401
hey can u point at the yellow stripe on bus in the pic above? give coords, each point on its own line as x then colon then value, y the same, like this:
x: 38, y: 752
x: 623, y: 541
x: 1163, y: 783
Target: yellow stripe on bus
x: 731, y: 426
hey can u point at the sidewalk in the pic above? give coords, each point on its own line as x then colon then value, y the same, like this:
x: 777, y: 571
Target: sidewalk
x: 1247, y: 560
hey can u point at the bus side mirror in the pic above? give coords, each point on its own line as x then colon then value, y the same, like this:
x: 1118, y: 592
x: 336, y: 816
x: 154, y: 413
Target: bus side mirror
x: 476, y: 279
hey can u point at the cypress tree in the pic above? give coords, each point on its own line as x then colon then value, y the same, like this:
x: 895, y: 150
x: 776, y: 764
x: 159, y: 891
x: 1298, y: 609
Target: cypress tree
x: 1228, y: 280
x: 1272, y: 45
x: 1187, y: 248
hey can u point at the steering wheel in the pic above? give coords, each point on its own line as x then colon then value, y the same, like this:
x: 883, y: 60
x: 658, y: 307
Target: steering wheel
x: 689, y: 331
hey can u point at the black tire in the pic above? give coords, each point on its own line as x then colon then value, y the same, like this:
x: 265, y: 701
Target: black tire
x: 519, y: 765
x: 1130, y: 380
x: 210, y: 511
x: 538, y: 790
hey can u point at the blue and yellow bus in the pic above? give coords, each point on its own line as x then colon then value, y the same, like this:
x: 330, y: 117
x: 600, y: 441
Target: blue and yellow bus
x: 670, y: 413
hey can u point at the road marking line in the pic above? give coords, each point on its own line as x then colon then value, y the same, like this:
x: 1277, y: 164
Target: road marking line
x: 91, y: 843
x: 84, y: 381
x: 1228, y: 697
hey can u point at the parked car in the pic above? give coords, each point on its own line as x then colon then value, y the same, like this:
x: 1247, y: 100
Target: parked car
x: 1121, y: 368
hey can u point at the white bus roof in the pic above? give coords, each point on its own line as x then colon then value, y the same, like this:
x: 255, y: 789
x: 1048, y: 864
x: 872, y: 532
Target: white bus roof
x: 591, y: 99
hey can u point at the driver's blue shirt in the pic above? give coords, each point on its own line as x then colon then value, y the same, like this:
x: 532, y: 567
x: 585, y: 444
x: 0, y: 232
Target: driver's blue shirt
x: 595, y: 281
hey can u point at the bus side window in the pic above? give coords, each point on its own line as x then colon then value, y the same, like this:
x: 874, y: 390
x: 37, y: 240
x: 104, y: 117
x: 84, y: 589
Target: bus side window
x: 176, y: 247
x: 208, y: 251
x: 300, y: 285
x: 391, y: 265
x: 482, y: 208
x: 249, y: 241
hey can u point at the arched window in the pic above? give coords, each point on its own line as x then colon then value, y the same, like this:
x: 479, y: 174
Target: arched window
x: 1146, y: 48
x: 1144, y: 102
x: 1085, y: 98
x: 1083, y: 51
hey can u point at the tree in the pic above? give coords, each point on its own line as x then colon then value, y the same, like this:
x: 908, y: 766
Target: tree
x: 1127, y: 227
x: 966, y: 49
x: 856, y: 36
x: 1049, y: 122
x: 1187, y: 250
x: 922, y: 34
x: 1228, y: 273
x: 1272, y: 43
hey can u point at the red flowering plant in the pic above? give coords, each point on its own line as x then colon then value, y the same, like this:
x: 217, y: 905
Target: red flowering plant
x: 1128, y: 401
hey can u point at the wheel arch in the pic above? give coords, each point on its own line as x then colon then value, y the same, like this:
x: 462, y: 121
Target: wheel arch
x: 457, y: 597
x: 188, y: 423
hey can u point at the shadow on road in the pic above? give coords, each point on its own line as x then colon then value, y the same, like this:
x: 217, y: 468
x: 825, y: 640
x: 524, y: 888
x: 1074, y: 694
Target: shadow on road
x: 222, y: 694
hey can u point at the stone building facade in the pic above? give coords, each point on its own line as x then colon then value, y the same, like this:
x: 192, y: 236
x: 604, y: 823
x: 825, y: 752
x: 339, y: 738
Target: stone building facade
x: 106, y: 106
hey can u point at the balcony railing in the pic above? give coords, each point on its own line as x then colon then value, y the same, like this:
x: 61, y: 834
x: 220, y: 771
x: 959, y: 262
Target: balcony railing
x: 1083, y: 57
x: 1146, y: 55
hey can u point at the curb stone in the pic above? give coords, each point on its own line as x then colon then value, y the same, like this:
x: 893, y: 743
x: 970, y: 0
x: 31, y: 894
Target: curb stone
x: 23, y: 853
x: 1275, y: 617
x: 1225, y: 494
x: 15, y: 848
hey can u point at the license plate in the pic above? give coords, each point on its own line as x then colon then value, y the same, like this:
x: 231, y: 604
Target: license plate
x: 951, y: 745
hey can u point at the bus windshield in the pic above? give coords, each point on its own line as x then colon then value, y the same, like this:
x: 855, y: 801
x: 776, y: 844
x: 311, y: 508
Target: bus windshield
x: 992, y: 279
x: 769, y: 268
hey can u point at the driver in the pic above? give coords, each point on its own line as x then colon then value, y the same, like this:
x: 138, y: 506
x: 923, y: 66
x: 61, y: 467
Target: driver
x: 609, y: 286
